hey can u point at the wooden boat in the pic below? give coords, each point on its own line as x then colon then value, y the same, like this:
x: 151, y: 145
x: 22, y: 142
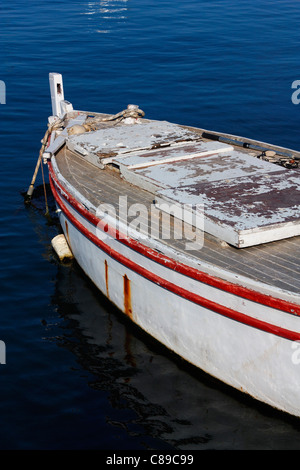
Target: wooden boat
x: 194, y: 235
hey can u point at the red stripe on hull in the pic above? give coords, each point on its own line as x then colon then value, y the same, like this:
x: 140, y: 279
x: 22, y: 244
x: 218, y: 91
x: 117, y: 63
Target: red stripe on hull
x: 163, y: 283
x: 188, y: 271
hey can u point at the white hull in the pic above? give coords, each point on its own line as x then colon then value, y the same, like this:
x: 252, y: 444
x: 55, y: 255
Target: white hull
x: 239, y: 327
x: 242, y: 342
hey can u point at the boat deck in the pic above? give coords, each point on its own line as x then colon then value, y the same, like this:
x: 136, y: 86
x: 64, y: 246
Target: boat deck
x: 275, y: 264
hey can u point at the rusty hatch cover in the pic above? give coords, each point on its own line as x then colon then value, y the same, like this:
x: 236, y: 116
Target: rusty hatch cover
x: 244, y: 211
x: 125, y: 138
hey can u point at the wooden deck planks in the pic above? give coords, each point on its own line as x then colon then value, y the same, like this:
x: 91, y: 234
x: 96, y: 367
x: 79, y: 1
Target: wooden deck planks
x: 273, y: 263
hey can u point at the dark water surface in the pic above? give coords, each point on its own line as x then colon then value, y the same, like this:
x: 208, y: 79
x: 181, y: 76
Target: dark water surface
x: 78, y: 376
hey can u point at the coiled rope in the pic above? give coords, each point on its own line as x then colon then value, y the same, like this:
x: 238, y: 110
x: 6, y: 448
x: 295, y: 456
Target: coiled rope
x: 132, y: 111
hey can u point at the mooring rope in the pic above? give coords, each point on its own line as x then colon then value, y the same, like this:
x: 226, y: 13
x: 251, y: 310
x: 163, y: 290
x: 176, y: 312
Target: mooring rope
x: 44, y: 141
x: 132, y: 111
x: 45, y: 192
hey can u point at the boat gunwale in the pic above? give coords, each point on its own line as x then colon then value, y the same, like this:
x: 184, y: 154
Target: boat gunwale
x: 173, y: 288
x: 188, y: 271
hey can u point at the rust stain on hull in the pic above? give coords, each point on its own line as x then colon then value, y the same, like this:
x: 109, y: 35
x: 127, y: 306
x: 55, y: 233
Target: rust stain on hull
x: 67, y: 233
x: 127, y: 297
x: 106, y: 278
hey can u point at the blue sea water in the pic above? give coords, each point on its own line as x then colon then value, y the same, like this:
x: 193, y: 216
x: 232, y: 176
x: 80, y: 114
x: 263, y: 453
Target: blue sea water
x: 77, y: 374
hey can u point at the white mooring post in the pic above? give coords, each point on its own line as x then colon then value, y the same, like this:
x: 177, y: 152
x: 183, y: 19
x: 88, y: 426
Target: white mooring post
x: 60, y: 106
x: 57, y: 92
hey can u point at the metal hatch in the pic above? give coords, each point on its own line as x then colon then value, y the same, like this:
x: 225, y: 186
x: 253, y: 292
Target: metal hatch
x: 245, y: 211
x: 110, y: 142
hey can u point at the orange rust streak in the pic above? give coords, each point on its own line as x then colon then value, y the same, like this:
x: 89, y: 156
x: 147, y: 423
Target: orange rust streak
x: 127, y: 297
x: 67, y: 233
x: 106, y: 278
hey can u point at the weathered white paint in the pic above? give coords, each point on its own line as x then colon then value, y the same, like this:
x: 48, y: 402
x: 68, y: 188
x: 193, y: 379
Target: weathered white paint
x: 187, y: 172
x: 128, y: 138
x: 171, y: 154
x: 179, y: 176
x: 248, y: 359
x: 224, y: 298
x: 187, y: 258
x: 244, y: 211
